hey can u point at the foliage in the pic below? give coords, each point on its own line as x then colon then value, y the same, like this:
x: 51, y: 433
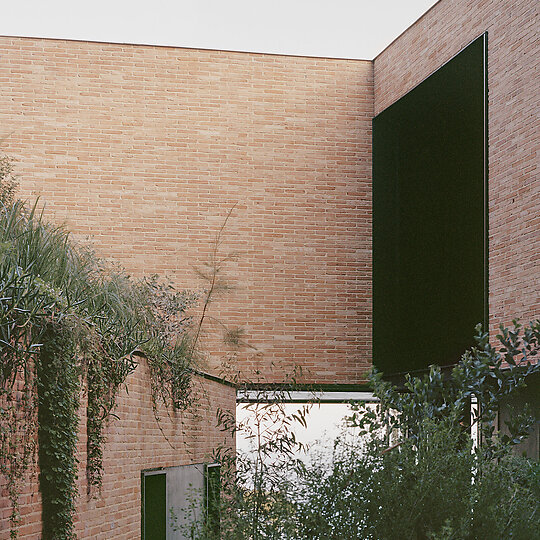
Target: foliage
x: 170, y: 348
x: 256, y: 487
x: 8, y: 181
x: 419, y: 490
x: 407, y: 470
x: 485, y: 372
x: 58, y: 383
x: 262, y: 488
x: 65, y: 315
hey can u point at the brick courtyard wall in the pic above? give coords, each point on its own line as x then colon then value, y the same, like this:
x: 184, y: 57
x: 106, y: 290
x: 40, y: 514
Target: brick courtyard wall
x: 514, y: 109
x: 134, y: 442
x: 144, y: 150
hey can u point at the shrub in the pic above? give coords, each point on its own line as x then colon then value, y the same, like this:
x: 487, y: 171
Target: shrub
x: 411, y: 472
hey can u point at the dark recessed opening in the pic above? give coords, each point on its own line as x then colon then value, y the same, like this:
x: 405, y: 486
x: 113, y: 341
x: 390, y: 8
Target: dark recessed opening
x: 429, y: 226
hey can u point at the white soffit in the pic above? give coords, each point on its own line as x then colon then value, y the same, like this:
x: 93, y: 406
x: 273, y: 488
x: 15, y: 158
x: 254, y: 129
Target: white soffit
x: 252, y: 396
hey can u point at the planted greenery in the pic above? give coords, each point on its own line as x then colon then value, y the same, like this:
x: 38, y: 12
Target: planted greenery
x: 67, y: 318
x: 419, y: 490
x: 58, y: 382
x: 404, y: 468
x: 257, y: 491
x: 486, y: 373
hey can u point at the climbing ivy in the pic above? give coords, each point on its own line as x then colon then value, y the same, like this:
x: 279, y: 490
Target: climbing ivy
x: 103, y: 380
x: 58, y: 386
x: 69, y: 323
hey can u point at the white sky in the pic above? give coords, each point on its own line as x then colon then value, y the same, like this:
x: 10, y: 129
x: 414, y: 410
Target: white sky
x: 333, y: 28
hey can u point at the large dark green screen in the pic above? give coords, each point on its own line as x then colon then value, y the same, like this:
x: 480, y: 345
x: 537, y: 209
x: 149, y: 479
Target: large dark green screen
x: 154, y: 506
x: 429, y: 165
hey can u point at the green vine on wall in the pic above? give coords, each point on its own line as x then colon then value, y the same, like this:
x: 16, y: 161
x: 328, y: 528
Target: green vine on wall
x: 18, y: 425
x: 58, y: 385
x: 103, y: 381
x: 66, y: 319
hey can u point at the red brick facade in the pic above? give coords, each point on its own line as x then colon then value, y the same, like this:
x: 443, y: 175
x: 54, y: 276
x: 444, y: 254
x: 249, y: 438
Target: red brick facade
x: 145, y: 150
x: 134, y: 443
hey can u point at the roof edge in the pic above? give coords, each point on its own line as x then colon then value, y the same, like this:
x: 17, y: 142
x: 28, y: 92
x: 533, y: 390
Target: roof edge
x: 209, y: 49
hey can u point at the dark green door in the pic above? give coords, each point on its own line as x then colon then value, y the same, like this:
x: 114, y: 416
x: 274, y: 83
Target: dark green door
x: 154, y: 506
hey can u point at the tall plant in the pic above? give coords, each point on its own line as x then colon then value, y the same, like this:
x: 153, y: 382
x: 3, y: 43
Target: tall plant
x: 65, y: 315
x: 407, y: 470
x: 256, y: 483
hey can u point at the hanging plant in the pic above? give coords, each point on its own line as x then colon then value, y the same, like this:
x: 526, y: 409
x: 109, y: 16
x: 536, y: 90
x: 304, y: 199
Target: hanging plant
x: 58, y: 387
x: 67, y: 319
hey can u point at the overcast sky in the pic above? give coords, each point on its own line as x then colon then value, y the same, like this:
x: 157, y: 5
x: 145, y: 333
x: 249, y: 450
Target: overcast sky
x: 333, y: 28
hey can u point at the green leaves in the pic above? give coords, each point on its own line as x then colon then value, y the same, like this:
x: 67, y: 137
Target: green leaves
x: 406, y: 471
x: 487, y: 373
x: 58, y: 388
x: 66, y: 314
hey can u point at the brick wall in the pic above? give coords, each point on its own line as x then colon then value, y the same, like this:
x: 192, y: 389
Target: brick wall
x: 514, y: 109
x: 134, y: 443
x: 145, y: 149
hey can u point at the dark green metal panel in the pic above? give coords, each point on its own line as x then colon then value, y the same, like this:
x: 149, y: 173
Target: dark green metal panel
x: 154, y: 506
x: 429, y: 217
x: 213, y: 498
